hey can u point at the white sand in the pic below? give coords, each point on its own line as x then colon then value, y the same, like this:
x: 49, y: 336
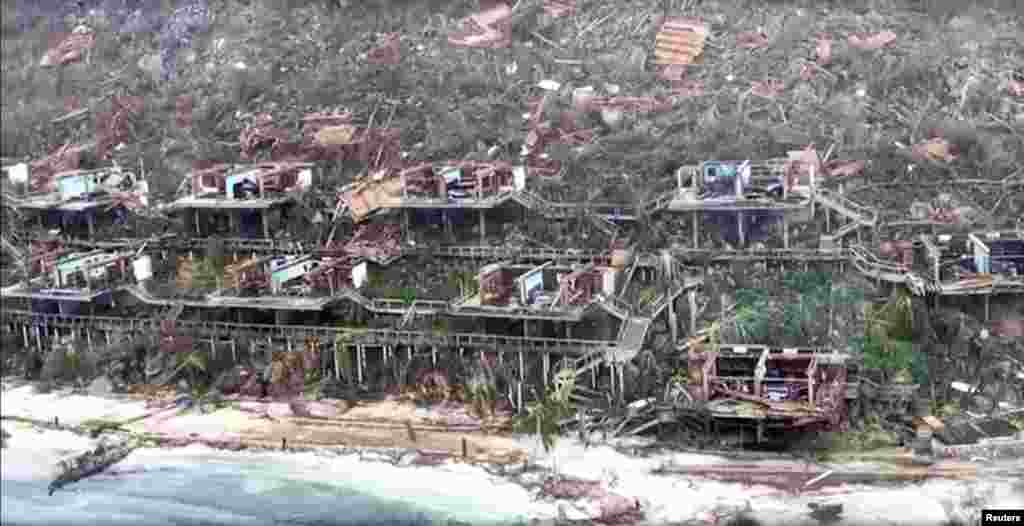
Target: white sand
x: 665, y: 498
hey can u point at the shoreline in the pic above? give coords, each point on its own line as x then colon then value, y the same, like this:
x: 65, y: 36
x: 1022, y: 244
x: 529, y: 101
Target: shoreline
x: 580, y: 484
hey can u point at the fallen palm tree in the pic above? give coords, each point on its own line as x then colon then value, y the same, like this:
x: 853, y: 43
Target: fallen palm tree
x: 91, y: 462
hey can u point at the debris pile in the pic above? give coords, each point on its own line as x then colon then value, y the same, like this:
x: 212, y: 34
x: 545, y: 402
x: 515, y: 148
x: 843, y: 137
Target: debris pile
x: 489, y: 29
x: 871, y: 42
x: 183, y: 107
x: 376, y: 241
x: 71, y: 48
x: 113, y: 127
x: 388, y: 53
x: 559, y: 8
x: 609, y: 507
x: 261, y: 134
x: 679, y: 42
x: 43, y: 171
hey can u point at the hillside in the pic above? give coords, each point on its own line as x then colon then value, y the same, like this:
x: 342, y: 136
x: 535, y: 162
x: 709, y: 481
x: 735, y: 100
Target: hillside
x: 947, y: 75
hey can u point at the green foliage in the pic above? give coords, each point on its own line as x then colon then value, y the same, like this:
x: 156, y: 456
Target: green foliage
x: 753, y: 315
x: 888, y: 341
x: 407, y: 295
x: 544, y: 416
x: 192, y: 366
x: 205, y: 274
x: 343, y: 357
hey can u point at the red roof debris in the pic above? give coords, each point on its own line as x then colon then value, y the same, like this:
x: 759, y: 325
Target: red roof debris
x: 944, y: 215
x: 183, y: 107
x: 752, y: 40
x: 869, y: 42
x: 388, y: 53
x: 490, y: 28
x: 112, y: 127
x: 839, y: 168
x: 768, y: 89
x: 559, y: 8
x: 1009, y: 328
x: 72, y: 103
x: 70, y: 48
x: 261, y: 134
x: 823, y: 51
x: 1015, y: 87
x: 679, y: 41
x: 42, y: 172
x: 688, y: 88
x: 376, y: 241
x: 638, y: 104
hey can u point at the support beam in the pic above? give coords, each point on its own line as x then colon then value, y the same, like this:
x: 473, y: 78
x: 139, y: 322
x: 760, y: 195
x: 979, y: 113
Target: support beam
x: 547, y: 368
x: 359, y: 363
x: 785, y: 230
x: 266, y: 224
x: 987, y: 307
x: 692, y: 296
x: 483, y: 226
x: 673, y: 322
x: 741, y: 220
x: 195, y: 213
x: 696, y: 229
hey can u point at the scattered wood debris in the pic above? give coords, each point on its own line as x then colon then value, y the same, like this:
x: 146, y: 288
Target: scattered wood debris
x: 935, y: 149
x: 680, y: 41
x: 871, y: 42
x: 261, y: 134
x: 376, y: 241
x: 71, y: 48
x: 42, y: 171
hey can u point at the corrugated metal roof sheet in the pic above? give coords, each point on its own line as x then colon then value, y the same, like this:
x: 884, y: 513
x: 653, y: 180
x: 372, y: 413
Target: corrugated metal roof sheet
x: 680, y: 41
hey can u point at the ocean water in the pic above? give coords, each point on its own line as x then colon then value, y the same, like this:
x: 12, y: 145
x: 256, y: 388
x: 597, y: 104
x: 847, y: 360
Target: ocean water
x: 198, y: 486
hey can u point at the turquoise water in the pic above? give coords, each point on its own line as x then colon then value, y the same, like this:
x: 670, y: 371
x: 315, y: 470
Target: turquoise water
x: 240, y: 489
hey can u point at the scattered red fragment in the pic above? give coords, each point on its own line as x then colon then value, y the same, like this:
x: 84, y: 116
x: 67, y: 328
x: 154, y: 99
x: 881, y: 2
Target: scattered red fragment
x: 559, y: 8
x: 388, y: 53
x: 1016, y: 88
x: 870, y: 42
x: 752, y: 40
x: 823, y: 51
x: 71, y: 48
x: 688, y: 88
x: 489, y: 29
x: 183, y: 107
x: 768, y: 89
x: 839, y: 168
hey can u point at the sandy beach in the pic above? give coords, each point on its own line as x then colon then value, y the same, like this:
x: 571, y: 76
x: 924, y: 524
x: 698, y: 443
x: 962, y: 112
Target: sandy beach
x: 375, y: 437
